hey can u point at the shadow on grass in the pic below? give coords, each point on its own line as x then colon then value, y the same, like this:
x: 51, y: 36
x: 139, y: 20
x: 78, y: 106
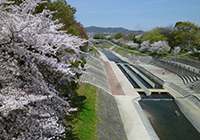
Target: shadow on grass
x: 76, y: 101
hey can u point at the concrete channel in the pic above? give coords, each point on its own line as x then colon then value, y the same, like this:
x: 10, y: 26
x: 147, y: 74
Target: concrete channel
x: 147, y: 92
x: 152, y: 84
x: 135, y: 127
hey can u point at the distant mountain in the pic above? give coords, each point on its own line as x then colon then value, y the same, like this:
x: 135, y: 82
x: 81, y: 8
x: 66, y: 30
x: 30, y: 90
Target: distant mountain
x: 109, y: 30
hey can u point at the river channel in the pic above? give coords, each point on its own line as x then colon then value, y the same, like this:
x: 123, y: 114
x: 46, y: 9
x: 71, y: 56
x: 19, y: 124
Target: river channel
x: 164, y: 115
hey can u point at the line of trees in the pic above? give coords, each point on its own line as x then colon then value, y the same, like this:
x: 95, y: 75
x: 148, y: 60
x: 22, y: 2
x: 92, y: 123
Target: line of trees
x: 161, y: 40
x: 186, y: 35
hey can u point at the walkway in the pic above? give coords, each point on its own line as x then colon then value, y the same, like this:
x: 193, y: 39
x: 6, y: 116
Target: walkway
x: 168, y: 77
x: 136, y: 125
x: 116, y: 88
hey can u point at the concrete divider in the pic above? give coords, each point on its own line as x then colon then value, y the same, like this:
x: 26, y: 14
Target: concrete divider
x: 147, y: 92
x: 149, y: 74
x: 142, y: 76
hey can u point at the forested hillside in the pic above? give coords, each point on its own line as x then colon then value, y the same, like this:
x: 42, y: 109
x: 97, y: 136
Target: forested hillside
x: 110, y: 30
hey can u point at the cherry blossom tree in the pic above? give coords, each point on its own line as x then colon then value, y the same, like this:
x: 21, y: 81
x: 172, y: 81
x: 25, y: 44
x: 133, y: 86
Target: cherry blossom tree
x: 132, y: 45
x: 145, y: 46
x: 160, y: 47
x: 119, y: 41
x: 138, y: 37
x: 34, y: 54
x: 176, y: 50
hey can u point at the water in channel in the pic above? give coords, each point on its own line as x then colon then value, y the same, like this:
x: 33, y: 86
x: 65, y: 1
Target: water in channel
x: 112, y: 57
x: 166, y: 118
x: 164, y: 115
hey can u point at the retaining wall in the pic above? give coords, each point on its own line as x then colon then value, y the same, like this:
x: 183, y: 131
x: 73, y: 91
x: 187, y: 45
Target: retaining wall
x: 183, y: 61
x: 177, y: 68
x: 173, y: 66
x: 150, y: 75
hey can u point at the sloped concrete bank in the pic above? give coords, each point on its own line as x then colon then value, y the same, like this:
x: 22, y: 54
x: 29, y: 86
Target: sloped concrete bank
x: 133, y: 58
x: 110, y: 126
x: 176, y: 67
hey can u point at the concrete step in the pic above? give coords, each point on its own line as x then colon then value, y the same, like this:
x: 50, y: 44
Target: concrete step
x: 181, y: 90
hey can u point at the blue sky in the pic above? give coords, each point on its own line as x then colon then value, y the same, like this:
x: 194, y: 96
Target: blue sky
x: 135, y: 14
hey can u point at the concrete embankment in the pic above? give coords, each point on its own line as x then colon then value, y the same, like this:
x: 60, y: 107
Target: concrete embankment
x: 126, y: 109
x: 110, y: 125
x: 191, y: 111
x: 184, y: 98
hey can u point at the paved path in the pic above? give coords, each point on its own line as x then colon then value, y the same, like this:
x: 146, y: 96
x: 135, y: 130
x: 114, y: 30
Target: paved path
x: 133, y: 125
x: 116, y: 88
x: 125, y: 96
x: 168, y: 77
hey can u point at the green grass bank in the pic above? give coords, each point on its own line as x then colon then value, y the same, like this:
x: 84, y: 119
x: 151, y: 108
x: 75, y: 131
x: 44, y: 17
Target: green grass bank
x: 98, y: 116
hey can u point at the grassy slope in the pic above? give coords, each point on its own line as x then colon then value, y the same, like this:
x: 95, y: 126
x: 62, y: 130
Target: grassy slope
x: 94, y: 50
x: 86, y: 125
x: 98, y: 116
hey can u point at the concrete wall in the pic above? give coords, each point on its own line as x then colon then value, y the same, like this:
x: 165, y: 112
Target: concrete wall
x: 184, y: 61
x: 176, y: 68
x: 150, y: 75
